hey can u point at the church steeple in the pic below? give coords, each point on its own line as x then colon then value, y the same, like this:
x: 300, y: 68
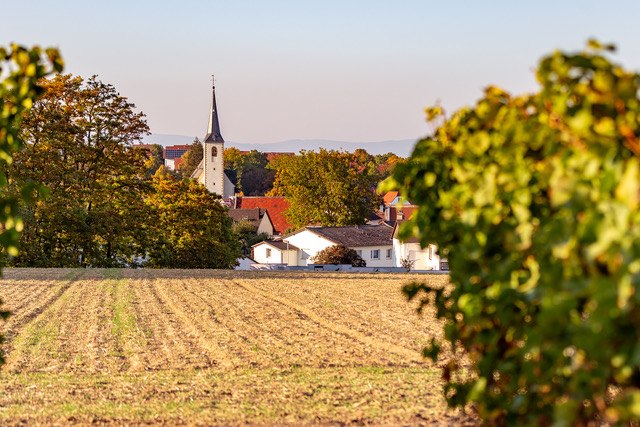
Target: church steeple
x: 213, y: 131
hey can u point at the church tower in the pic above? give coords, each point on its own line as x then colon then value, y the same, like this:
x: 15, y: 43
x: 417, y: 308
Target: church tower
x: 213, y: 153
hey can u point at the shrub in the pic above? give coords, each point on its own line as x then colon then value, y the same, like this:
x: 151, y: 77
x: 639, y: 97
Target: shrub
x: 536, y: 199
x: 339, y: 254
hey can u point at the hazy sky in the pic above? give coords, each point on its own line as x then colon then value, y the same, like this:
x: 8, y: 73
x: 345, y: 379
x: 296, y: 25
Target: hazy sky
x: 345, y: 69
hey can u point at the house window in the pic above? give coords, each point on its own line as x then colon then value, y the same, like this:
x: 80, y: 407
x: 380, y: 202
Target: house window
x: 214, y: 152
x: 430, y: 252
x: 268, y: 253
x: 388, y: 253
x: 359, y: 253
x: 375, y: 254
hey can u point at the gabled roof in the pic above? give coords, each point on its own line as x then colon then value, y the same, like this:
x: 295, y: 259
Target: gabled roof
x: 251, y: 214
x: 278, y: 244
x: 275, y: 206
x: 354, y: 236
x: 389, y: 197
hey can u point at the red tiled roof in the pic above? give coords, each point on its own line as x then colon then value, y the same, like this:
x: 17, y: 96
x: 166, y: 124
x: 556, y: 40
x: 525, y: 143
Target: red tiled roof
x: 406, y: 212
x: 388, y: 198
x: 274, y: 205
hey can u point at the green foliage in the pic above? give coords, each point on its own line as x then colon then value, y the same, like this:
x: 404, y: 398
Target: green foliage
x: 248, y: 171
x: 327, y: 187
x: 339, y: 254
x: 21, y: 69
x: 248, y: 235
x: 192, y: 158
x: 79, y: 143
x: 189, y: 227
x: 536, y: 199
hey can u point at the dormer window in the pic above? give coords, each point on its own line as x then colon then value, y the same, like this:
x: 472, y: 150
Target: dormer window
x: 214, y: 152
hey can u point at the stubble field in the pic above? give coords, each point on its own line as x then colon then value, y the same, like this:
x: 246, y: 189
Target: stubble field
x: 214, y: 347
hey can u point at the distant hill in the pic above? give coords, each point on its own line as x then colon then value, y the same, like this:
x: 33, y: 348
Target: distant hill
x: 401, y: 147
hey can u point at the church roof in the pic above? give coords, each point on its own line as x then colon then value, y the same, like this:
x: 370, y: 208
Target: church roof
x: 213, y: 131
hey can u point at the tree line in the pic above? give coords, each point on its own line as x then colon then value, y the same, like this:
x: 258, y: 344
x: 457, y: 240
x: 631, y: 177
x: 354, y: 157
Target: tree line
x: 98, y: 201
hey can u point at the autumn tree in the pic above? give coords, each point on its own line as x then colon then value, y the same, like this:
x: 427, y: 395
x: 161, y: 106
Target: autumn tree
x: 155, y: 159
x: 21, y: 69
x: 79, y: 139
x: 339, y: 254
x: 188, y: 227
x: 327, y: 187
x: 192, y: 158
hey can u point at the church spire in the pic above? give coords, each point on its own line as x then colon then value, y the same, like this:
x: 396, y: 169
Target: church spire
x: 213, y: 131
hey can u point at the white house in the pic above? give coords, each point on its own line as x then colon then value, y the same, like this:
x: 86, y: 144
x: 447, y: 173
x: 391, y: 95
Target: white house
x: 372, y: 242
x: 275, y: 252
x: 411, y: 250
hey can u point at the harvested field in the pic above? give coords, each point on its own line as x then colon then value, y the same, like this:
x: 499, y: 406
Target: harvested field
x: 216, y: 347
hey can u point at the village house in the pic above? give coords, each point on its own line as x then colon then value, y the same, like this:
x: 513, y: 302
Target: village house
x: 257, y: 217
x: 372, y: 242
x: 274, y: 206
x: 409, y: 252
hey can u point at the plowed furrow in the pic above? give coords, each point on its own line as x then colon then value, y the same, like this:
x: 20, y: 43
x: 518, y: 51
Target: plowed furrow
x: 372, y: 311
x: 223, y: 349
x: 242, y: 332
x: 128, y: 338
x: 33, y: 308
x: 17, y: 296
x: 290, y: 335
x: 339, y: 328
x: 165, y: 345
x: 182, y: 333
x: 87, y: 342
x: 43, y: 342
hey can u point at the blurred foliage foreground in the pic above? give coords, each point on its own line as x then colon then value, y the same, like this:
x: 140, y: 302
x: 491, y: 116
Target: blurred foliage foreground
x: 20, y: 70
x: 535, y: 198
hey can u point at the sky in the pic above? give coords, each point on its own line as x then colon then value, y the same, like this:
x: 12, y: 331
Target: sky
x: 348, y: 70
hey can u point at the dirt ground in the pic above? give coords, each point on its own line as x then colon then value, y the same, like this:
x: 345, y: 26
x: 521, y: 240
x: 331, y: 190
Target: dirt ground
x: 216, y: 347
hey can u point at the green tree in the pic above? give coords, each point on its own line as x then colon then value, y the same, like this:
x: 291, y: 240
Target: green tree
x: 192, y: 158
x: 248, y: 235
x: 79, y: 140
x: 239, y: 164
x: 21, y: 69
x: 338, y: 254
x: 188, y: 226
x: 536, y: 199
x: 257, y: 181
x: 326, y: 187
